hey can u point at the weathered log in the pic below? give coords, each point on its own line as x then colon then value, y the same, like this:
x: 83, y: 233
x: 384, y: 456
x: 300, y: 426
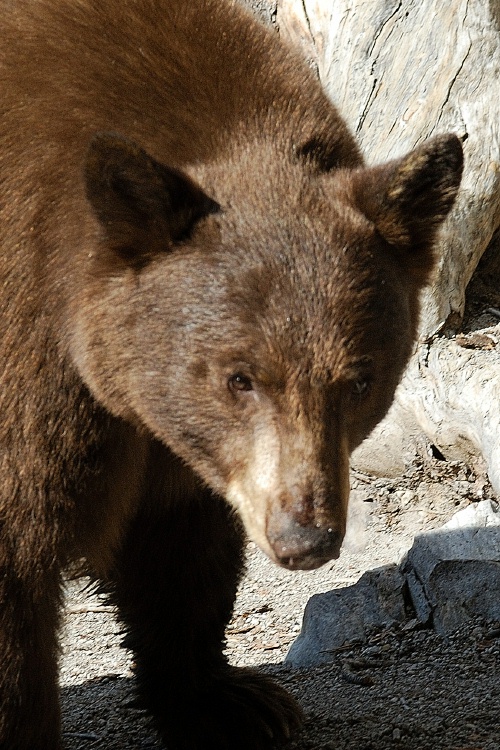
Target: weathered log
x: 400, y: 71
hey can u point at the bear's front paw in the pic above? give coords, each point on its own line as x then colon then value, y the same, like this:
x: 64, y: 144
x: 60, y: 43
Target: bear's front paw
x: 239, y: 710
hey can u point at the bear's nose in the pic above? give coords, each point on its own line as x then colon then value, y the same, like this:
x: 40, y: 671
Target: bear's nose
x: 305, y: 548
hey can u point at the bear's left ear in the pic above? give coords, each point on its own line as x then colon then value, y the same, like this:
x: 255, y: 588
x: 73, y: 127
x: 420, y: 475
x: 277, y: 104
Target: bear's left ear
x: 408, y: 199
x: 142, y: 206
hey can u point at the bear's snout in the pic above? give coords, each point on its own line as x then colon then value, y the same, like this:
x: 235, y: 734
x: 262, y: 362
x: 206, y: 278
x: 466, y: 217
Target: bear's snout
x: 298, y: 547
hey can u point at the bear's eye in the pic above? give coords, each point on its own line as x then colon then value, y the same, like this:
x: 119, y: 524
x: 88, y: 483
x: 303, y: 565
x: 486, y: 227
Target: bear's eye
x: 361, y: 387
x: 239, y: 382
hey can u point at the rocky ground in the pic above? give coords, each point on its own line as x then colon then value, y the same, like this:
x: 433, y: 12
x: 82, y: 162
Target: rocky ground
x: 404, y: 687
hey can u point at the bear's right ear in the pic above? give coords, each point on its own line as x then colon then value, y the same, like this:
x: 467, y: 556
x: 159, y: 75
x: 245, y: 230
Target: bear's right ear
x: 408, y: 199
x: 143, y: 207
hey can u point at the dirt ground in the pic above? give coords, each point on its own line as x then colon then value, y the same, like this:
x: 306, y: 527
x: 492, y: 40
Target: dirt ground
x: 404, y: 687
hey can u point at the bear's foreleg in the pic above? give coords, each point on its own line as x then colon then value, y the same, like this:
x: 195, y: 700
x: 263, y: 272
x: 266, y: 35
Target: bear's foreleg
x: 175, y: 585
x: 29, y: 614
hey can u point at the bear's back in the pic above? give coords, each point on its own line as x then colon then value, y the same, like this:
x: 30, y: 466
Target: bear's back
x: 190, y: 82
x: 180, y: 78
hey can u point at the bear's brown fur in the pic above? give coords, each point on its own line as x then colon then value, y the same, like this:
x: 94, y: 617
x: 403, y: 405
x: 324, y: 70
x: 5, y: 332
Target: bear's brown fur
x: 207, y: 302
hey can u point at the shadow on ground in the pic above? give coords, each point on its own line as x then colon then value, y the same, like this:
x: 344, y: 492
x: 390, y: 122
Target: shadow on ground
x: 402, y: 690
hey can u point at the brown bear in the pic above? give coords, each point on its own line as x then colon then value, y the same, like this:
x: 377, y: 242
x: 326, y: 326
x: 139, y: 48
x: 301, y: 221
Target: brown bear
x: 207, y: 302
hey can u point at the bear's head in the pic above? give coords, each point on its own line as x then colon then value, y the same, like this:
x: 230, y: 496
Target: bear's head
x: 257, y: 319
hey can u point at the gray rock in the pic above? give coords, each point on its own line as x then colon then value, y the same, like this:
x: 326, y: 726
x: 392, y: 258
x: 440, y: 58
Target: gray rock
x: 347, y: 614
x: 453, y: 573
